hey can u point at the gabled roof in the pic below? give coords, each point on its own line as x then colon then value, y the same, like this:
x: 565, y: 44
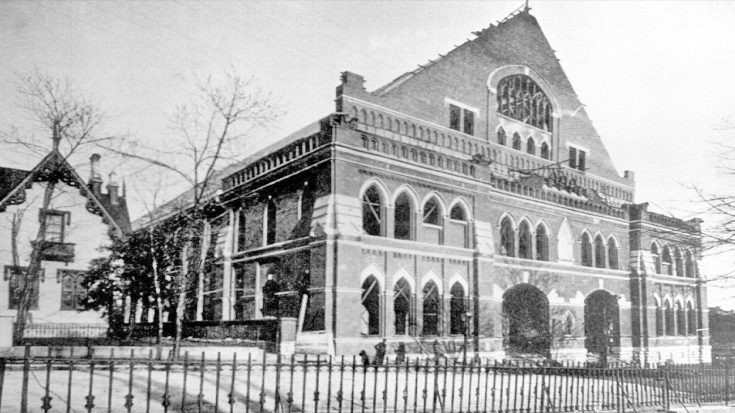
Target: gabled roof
x: 55, y: 166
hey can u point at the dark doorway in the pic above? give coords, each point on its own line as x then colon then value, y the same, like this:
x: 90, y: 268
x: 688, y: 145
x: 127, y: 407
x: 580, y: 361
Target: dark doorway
x: 370, y: 306
x: 526, y: 319
x: 601, y: 324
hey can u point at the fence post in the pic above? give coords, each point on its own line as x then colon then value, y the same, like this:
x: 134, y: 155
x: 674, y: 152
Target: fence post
x: 26, y: 368
x: 727, y: 384
x: 665, y: 392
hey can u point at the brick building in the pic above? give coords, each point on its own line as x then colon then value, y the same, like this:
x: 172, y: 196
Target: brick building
x: 468, y: 201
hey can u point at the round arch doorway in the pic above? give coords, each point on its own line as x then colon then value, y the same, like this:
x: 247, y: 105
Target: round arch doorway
x: 601, y: 324
x: 526, y: 321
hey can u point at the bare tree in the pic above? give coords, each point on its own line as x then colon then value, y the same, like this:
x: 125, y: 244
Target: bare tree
x: 208, y: 132
x: 72, y: 124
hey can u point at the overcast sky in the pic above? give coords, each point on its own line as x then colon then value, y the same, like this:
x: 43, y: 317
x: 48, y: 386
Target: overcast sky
x: 656, y: 77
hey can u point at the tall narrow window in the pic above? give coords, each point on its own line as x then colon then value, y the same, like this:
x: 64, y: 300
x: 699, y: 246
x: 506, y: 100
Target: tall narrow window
x: 72, y: 289
x: 432, y: 213
x: 403, y: 218
x: 270, y: 222
x: 531, y: 146
x: 689, y: 265
x: 582, y: 160
x: 545, y: 150
x: 372, y: 212
x: 457, y: 310
x: 542, y: 243
x: 524, y: 240
x: 681, y: 322
x: 573, y: 157
x: 469, y: 121
x: 679, y: 263
x: 507, y: 238
x: 55, y: 225
x: 242, y: 229
x: 517, y: 141
x: 599, y: 252
x: 666, y: 266
x: 14, y: 275
x: 459, y: 219
x: 659, y: 320
x: 612, y: 253
x: 669, y: 316
x: 691, y: 320
x: 455, y: 113
x: 370, y: 316
x: 656, y: 258
x: 431, y: 308
x: 402, y: 307
x: 586, y: 250
x: 501, y: 136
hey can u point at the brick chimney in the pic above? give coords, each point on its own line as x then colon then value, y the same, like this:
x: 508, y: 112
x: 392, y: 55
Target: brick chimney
x: 112, y: 186
x: 95, y: 179
x: 352, y: 85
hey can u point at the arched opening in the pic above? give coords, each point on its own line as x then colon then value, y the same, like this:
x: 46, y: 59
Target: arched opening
x: 372, y: 212
x: 520, y: 98
x: 545, y: 150
x: 431, y: 309
x: 679, y: 263
x: 531, y: 146
x: 526, y: 320
x: 517, y: 141
x: 681, y: 321
x: 370, y: 316
x: 691, y: 320
x: 600, y: 257
x: 542, y: 243
x: 459, y: 225
x: 403, y: 218
x: 524, y: 240
x: 689, y: 269
x: 402, y: 307
x: 507, y: 238
x: 669, y: 325
x: 612, y: 253
x: 501, y: 136
x: 601, y: 323
x: 656, y: 258
x: 457, y: 308
x: 586, y: 245
x: 432, y: 212
x: 659, y: 320
x: 666, y: 266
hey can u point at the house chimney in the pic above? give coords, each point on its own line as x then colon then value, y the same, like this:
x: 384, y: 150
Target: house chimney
x: 95, y: 179
x: 112, y: 186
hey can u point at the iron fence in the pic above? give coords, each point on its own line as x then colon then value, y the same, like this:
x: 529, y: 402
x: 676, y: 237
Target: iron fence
x: 299, y: 384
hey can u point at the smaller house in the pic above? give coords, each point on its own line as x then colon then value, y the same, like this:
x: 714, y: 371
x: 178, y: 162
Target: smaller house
x: 82, y: 219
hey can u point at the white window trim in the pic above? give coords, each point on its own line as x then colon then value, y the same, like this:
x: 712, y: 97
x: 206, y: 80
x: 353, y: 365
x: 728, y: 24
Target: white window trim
x: 448, y: 101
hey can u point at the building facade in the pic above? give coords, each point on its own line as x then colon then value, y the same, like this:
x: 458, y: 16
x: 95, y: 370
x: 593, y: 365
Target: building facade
x: 82, y: 219
x: 468, y: 204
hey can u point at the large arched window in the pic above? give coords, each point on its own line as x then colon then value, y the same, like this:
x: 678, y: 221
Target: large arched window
x: 517, y: 141
x: 507, y: 238
x: 599, y: 252
x: 656, y: 258
x: 270, y: 222
x: 689, y: 265
x: 545, y: 150
x: 432, y: 212
x: 520, y: 98
x: 586, y: 245
x: 669, y: 317
x: 666, y: 267
x: 431, y: 309
x: 681, y: 321
x: 679, y: 263
x: 457, y: 309
x: 460, y: 226
x: 612, y: 253
x: 542, y: 243
x: 370, y: 316
x: 402, y: 299
x: 372, y: 212
x: 501, y: 136
x: 524, y: 240
x: 691, y: 320
x: 531, y: 146
x: 403, y: 218
x: 659, y: 320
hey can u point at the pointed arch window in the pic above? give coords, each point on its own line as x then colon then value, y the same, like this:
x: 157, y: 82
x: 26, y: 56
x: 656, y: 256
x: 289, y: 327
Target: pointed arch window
x: 501, y: 136
x: 586, y: 250
x: 403, y: 217
x: 531, y: 146
x: 402, y: 299
x: 517, y: 141
x: 691, y: 320
x: 457, y: 308
x: 689, y: 265
x: 545, y: 150
x: 542, y: 243
x: 666, y: 266
x: 679, y: 263
x: 520, y: 98
x: 431, y: 309
x: 524, y: 240
x: 600, y: 257
x: 372, y: 212
x: 370, y: 316
x: 612, y: 253
x: 669, y: 317
x: 432, y: 212
x: 507, y: 238
x: 681, y: 323
x: 659, y: 320
x: 656, y: 258
x: 458, y: 218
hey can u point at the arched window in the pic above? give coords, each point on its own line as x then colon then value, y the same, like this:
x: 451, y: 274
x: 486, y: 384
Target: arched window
x: 372, y: 212
x: 517, y: 141
x: 459, y: 227
x: 545, y: 150
x: 600, y: 256
x: 403, y: 217
x: 432, y: 307
x: 457, y: 213
x: 531, y: 146
x: 659, y: 320
x: 679, y: 263
x: 432, y: 212
x: 586, y: 250
x: 270, y: 222
x: 542, y: 243
x: 370, y: 316
x: 524, y: 240
x: 501, y: 136
x: 691, y: 320
x: 681, y: 321
x: 520, y: 98
x: 666, y: 266
x: 457, y: 310
x: 656, y: 258
x: 669, y: 316
x: 507, y: 238
x: 612, y: 253
x: 689, y: 265
x: 568, y: 326
x: 402, y: 299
